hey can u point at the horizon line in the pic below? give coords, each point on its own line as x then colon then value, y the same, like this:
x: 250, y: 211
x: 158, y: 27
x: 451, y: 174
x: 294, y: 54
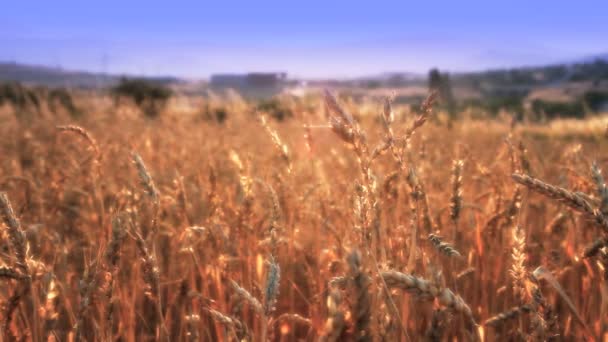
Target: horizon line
x: 583, y: 60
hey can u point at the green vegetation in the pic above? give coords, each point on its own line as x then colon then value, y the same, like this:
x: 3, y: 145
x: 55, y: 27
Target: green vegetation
x: 493, y: 104
x: 28, y: 101
x: 535, y: 76
x: 149, y: 96
x: 62, y: 97
x: 596, y: 100
x: 440, y: 82
x: 275, y: 108
x: 591, y: 101
x: 19, y: 96
x: 558, y: 109
x: 218, y: 114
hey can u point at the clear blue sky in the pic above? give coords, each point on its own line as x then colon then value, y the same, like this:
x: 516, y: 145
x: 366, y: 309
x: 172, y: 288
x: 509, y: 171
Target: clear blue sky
x: 305, y: 38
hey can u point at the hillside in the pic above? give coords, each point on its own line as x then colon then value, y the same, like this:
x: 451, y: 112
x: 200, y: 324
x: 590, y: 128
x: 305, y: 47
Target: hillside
x: 58, y: 77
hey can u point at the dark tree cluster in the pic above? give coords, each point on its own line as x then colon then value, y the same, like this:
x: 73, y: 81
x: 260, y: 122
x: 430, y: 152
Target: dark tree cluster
x: 149, y: 96
x: 440, y: 82
x: 29, y: 100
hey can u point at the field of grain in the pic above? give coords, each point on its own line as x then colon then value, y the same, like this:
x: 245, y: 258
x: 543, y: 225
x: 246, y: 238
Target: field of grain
x: 330, y: 225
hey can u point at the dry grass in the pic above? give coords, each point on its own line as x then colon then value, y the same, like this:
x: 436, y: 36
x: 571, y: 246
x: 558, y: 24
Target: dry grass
x: 328, y: 226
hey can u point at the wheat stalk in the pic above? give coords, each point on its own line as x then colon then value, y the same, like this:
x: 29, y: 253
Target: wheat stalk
x: 20, y: 248
x: 361, y: 305
x: 572, y: 200
x: 427, y: 289
x: 510, y: 314
x: 247, y: 297
x: 443, y: 247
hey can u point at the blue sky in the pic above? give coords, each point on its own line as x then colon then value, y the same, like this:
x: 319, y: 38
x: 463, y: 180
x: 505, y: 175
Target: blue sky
x: 305, y: 38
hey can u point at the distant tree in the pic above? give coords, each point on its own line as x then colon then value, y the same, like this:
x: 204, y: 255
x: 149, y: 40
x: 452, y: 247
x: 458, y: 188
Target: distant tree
x: 149, y: 96
x: 275, y: 108
x: 28, y: 101
x: 63, y: 97
x: 596, y: 100
x: 441, y: 84
x: 434, y: 79
x: 217, y: 114
x: 18, y: 96
x: 493, y: 104
x: 559, y: 109
x: 372, y: 84
x: 24, y: 100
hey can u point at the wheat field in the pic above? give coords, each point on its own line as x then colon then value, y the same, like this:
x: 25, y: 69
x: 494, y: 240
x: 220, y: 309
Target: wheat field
x: 346, y: 222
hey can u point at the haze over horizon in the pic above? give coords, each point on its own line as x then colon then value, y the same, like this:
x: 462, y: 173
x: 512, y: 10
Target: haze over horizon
x: 310, y: 39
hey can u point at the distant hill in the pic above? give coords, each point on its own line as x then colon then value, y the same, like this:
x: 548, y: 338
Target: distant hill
x: 517, y: 80
x: 511, y: 80
x: 589, y: 69
x: 57, y: 77
x: 591, y: 59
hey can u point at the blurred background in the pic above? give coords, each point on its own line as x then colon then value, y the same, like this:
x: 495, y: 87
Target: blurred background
x: 165, y: 158
x: 544, y: 58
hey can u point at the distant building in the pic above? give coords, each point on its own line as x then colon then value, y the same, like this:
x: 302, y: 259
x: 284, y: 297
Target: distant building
x: 254, y: 84
x: 249, y: 80
x: 227, y: 81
